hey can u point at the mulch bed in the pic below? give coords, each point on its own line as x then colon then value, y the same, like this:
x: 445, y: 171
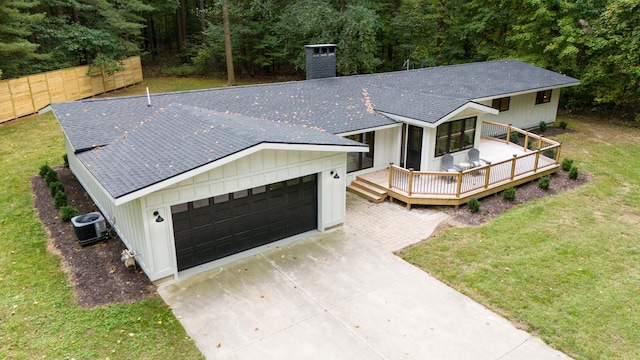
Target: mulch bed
x: 95, y: 272
x: 494, y: 205
x: 99, y: 277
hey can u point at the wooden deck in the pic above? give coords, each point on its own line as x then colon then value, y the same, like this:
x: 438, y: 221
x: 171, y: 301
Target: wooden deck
x: 511, y: 165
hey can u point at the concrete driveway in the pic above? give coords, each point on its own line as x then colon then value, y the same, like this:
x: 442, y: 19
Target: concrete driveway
x: 339, y: 295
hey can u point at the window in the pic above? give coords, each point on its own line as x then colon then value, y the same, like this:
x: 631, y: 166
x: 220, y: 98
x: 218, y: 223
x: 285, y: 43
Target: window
x: 358, y: 160
x: 220, y: 198
x: 258, y: 190
x: 455, y: 136
x: 543, y: 97
x: 501, y: 104
x: 200, y: 203
x: 177, y: 209
x: 240, y: 194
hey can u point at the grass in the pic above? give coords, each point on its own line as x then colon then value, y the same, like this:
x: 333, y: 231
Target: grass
x: 565, y: 267
x: 38, y: 314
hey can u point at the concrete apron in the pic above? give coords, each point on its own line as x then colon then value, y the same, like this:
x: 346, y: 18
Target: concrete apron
x: 339, y: 295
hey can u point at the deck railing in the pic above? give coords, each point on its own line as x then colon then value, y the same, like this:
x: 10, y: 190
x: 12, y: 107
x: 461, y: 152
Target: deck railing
x: 539, y: 153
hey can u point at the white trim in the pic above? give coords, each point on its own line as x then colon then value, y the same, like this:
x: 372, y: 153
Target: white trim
x: 451, y: 115
x: 379, y: 128
x: 526, y: 92
x: 233, y: 157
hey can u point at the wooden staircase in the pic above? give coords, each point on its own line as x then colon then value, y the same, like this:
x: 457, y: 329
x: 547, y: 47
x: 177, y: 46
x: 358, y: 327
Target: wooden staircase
x: 367, y: 190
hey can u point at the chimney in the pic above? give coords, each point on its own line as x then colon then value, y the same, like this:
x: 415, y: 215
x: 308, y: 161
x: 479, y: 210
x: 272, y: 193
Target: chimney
x: 321, y: 61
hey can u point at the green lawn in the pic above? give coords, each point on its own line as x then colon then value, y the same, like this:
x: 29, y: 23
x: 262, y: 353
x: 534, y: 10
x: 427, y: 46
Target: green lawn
x: 566, y: 267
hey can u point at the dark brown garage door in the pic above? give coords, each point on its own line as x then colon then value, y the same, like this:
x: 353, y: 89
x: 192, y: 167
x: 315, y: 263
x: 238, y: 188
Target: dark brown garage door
x: 210, y: 229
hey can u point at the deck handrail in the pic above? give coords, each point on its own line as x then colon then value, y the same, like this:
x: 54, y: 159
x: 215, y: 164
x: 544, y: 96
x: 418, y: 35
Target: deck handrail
x: 457, y: 184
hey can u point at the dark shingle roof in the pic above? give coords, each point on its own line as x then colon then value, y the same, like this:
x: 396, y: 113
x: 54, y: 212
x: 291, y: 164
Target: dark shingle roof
x: 177, y: 139
x: 129, y: 133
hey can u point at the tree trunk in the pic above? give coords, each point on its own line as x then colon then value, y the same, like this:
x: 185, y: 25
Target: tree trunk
x: 227, y: 43
x: 203, y: 23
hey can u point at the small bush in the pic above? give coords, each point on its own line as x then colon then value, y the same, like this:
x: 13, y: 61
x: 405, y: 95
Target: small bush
x: 65, y: 157
x: 566, y: 164
x: 473, y: 205
x: 514, y: 137
x: 55, y: 186
x: 563, y: 124
x: 509, y: 194
x: 543, y: 182
x: 44, y: 170
x: 67, y: 212
x: 60, y: 199
x: 551, y: 153
x: 50, y: 177
x: 542, y: 126
x: 573, y: 173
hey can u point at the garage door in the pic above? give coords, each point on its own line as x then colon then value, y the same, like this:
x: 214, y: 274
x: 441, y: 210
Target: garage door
x: 210, y: 229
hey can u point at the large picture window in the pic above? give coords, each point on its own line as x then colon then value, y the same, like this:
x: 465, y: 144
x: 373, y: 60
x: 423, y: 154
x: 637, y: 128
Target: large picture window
x: 455, y: 136
x: 359, y: 160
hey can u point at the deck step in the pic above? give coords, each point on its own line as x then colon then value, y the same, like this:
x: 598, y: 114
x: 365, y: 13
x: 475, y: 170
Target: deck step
x: 367, y: 191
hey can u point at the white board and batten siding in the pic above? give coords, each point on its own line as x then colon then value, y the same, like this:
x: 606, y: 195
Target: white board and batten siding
x: 386, y: 151
x: 523, y: 112
x: 261, y: 168
x: 125, y: 218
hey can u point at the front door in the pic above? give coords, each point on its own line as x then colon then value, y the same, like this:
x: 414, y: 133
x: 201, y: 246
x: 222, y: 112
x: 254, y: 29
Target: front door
x: 413, y: 147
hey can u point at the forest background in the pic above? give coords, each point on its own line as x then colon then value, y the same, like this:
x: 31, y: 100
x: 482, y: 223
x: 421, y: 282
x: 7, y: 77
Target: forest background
x: 596, y: 41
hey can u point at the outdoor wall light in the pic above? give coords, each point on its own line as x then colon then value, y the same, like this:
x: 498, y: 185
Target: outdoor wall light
x: 158, y: 218
x: 335, y: 174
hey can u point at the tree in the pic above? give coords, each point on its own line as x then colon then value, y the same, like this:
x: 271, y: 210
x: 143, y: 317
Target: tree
x: 613, y: 73
x: 354, y: 30
x: 227, y: 43
x: 17, y: 53
x: 95, y: 32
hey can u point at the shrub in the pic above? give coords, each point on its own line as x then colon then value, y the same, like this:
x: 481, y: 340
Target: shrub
x: 543, y: 182
x: 50, y: 177
x: 566, y: 164
x: 55, y: 186
x: 514, y: 137
x: 563, y: 124
x: 542, y: 126
x: 60, y: 199
x: 65, y: 157
x: 551, y: 153
x: 44, y: 170
x: 473, y: 205
x: 67, y: 212
x: 509, y: 194
x: 573, y: 173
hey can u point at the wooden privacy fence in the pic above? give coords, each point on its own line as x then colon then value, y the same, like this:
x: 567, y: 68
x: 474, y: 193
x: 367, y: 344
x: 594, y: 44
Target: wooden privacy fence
x: 27, y: 95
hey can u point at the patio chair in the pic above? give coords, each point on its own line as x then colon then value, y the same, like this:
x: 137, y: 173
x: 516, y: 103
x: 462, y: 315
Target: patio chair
x: 474, y: 158
x: 446, y: 165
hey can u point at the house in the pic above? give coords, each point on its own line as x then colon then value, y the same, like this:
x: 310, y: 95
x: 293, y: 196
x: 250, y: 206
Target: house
x: 194, y: 179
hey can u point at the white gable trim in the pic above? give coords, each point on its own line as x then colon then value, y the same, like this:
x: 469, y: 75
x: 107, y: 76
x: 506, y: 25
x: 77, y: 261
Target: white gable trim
x: 370, y: 129
x: 228, y: 159
x: 470, y: 105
